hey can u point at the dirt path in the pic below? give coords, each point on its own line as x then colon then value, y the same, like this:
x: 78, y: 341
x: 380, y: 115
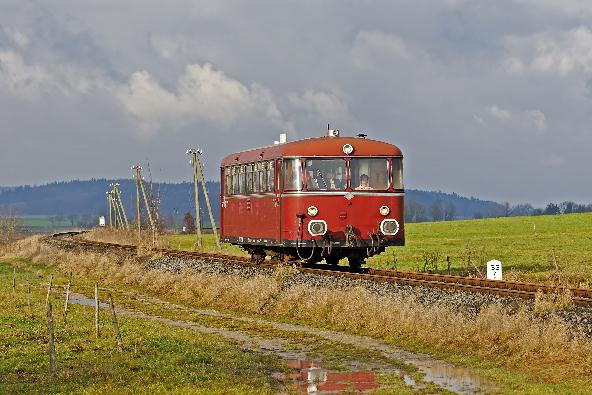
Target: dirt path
x: 362, y: 356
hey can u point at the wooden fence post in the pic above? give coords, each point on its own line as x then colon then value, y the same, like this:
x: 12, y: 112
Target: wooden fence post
x: 48, y: 291
x: 97, y: 310
x: 67, y: 300
x: 29, y: 296
x: 116, y: 325
x: 52, y: 367
x: 14, y: 280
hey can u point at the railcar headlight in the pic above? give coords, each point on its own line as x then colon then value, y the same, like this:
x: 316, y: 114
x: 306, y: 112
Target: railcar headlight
x: 317, y: 227
x: 384, y: 211
x: 313, y: 211
x: 348, y: 149
x: 389, y: 227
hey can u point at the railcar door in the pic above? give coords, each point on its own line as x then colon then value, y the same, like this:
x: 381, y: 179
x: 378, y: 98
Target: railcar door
x: 263, y: 204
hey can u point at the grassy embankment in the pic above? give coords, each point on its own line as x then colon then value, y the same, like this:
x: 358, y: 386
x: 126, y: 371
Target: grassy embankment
x: 538, y: 249
x: 521, y: 351
x: 157, y: 359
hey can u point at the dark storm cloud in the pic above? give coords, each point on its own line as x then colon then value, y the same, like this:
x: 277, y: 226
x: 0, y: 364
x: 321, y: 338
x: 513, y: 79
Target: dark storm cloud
x: 486, y: 98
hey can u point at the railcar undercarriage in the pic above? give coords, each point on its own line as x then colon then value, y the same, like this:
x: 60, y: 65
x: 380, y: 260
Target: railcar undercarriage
x: 356, y: 256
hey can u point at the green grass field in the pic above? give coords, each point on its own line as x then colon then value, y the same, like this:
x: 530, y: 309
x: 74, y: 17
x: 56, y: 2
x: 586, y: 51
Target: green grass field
x: 530, y: 248
x: 44, y: 223
x: 158, y: 358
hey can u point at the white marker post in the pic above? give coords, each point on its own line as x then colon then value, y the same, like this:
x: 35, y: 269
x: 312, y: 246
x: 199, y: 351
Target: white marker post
x: 494, y: 270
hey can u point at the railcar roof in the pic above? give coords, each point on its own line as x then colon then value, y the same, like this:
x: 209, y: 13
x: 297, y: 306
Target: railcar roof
x: 317, y: 146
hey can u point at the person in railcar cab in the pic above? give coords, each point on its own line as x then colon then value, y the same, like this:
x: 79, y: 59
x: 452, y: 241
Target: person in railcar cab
x: 332, y: 182
x: 364, y: 183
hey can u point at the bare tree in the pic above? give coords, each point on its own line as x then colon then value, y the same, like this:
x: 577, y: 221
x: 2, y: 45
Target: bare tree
x: 189, y: 222
x: 521, y: 210
x: 552, y: 209
x: 449, y: 212
x: 436, y: 210
x: 567, y: 207
x: 9, y: 227
x: 506, y: 209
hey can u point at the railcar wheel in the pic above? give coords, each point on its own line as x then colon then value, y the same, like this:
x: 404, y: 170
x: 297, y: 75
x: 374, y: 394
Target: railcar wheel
x: 355, y: 262
x: 258, y: 255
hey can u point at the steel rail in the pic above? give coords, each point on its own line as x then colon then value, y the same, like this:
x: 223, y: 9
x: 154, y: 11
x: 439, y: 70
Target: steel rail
x: 515, y: 289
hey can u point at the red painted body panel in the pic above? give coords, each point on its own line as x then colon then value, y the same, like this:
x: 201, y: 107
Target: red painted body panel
x: 362, y: 212
x: 254, y: 217
x: 320, y: 146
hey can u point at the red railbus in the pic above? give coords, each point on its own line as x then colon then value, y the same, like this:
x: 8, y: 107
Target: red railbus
x: 320, y: 198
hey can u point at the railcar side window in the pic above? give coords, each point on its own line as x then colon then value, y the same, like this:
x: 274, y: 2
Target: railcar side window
x: 262, y: 175
x: 325, y: 174
x: 227, y: 181
x: 249, y: 187
x: 256, y: 184
x: 242, y: 180
x: 397, y: 173
x: 369, y: 174
x: 235, y: 180
x: 292, y: 175
x: 271, y: 176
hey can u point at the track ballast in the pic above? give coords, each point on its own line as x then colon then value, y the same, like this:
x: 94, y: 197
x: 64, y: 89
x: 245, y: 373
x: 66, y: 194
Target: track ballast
x: 580, y: 296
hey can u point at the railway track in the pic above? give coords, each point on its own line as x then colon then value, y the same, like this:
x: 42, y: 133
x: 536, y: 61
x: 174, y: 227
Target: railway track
x: 580, y: 296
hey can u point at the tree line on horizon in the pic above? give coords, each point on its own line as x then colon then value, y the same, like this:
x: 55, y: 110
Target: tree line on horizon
x: 440, y: 210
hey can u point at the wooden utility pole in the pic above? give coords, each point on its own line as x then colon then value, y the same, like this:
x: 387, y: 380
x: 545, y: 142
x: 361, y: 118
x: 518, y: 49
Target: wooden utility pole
x: 120, y: 202
x: 110, y: 209
x: 198, y: 241
x: 138, y: 176
x: 149, y: 210
x: 199, y: 170
x: 115, y: 206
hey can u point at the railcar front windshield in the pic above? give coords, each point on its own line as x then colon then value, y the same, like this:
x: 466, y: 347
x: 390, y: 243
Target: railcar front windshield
x: 325, y: 175
x: 369, y: 174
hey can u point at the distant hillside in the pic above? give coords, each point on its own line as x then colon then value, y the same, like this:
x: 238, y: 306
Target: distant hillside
x: 423, y: 206
x: 87, y: 199
x: 84, y: 198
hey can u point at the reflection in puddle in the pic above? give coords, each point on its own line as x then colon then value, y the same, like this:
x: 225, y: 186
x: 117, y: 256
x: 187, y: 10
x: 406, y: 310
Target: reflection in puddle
x: 313, y: 379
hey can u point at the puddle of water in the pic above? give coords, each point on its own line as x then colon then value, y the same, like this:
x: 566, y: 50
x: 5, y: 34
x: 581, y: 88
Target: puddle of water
x: 313, y: 379
x: 81, y: 300
x: 465, y: 381
x: 455, y: 379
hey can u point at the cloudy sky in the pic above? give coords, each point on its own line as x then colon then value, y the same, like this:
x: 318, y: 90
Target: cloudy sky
x: 486, y: 98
